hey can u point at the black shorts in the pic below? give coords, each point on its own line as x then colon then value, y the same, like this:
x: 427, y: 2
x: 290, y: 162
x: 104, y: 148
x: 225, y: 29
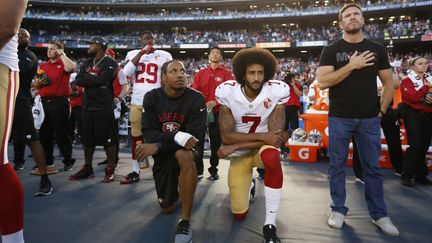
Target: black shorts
x: 98, y: 127
x: 23, y: 130
x: 165, y: 173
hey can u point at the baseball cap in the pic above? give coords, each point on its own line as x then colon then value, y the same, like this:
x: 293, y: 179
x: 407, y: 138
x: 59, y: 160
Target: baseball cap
x: 98, y: 40
x: 110, y: 52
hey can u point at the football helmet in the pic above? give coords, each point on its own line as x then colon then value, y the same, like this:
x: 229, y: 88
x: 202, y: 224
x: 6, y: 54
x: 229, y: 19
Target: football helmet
x: 315, y: 136
x: 299, y: 135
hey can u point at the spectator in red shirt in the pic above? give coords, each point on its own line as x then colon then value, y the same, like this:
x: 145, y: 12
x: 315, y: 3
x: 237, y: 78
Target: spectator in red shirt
x: 293, y: 104
x: 417, y: 116
x: 206, y: 82
x: 54, y: 91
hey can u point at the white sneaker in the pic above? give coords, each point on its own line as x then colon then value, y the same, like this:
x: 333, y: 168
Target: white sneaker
x: 336, y: 220
x: 387, y: 226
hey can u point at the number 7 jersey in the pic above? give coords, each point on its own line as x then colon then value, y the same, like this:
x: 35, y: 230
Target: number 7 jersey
x: 252, y: 116
x: 147, y: 73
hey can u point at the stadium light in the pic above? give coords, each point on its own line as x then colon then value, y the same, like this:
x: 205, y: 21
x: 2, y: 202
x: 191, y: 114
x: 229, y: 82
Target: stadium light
x: 303, y: 51
x: 182, y: 52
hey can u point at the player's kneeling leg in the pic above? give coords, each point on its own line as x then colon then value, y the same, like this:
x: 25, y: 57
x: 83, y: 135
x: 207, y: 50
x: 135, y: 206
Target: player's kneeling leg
x: 11, y: 204
x: 273, y: 180
x: 187, y: 180
x: 273, y: 170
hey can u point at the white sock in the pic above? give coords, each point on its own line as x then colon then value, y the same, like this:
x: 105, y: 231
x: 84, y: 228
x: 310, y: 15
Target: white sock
x: 135, y: 166
x: 16, y: 237
x: 272, y: 197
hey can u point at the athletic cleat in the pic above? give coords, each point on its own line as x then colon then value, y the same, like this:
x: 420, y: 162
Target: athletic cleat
x: 269, y: 232
x: 184, y: 232
x: 109, y: 174
x: 252, y: 190
x: 86, y: 172
x: 116, y: 165
x: 130, y: 178
x: 45, y: 188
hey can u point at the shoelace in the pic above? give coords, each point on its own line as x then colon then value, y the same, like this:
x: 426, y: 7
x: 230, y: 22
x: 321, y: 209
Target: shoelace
x: 183, y: 228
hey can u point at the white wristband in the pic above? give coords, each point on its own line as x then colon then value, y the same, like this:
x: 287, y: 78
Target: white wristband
x: 181, y: 138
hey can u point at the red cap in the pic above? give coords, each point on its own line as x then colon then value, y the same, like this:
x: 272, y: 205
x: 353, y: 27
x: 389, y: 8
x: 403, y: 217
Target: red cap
x: 110, y: 52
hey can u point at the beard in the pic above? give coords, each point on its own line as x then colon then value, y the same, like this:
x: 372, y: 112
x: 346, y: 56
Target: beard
x: 251, y: 87
x: 353, y: 31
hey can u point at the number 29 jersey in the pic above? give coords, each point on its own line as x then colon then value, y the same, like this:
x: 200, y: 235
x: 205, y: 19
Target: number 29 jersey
x: 147, y: 74
x: 252, y: 116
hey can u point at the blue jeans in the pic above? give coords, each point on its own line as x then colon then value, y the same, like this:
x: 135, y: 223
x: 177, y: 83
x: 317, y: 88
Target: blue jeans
x: 367, y: 134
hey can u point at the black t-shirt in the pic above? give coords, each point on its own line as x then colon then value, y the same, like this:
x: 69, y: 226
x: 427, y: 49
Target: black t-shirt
x: 357, y: 95
x: 97, y: 77
x: 164, y: 116
x: 28, y: 67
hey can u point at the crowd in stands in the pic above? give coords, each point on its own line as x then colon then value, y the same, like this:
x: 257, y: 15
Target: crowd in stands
x: 163, y: 14
x: 265, y: 33
x: 305, y: 67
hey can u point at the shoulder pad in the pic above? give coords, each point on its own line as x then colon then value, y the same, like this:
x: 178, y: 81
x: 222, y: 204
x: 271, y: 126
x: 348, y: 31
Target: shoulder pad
x: 131, y: 54
x: 226, y: 89
x: 278, y: 88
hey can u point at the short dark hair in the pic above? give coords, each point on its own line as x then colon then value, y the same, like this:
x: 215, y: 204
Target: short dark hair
x: 345, y: 7
x: 145, y: 32
x: 165, y: 65
x: 217, y: 48
x: 249, y: 56
x: 57, y: 43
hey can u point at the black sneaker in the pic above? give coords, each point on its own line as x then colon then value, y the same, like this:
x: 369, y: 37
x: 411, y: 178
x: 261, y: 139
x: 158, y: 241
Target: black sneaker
x: 130, y: 178
x: 214, y: 177
x: 45, y: 188
x: 86, y: 172
x: 19, y: 166
x: 252, y: 190
x: 184, y: 232
x: 269, y: 232
x: 68, y: 164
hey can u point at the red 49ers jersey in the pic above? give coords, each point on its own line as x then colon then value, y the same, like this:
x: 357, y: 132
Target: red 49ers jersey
x: 252, y: 116
x: 147, y: 74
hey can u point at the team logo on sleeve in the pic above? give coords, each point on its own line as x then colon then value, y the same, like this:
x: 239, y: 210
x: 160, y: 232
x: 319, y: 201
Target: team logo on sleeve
x: 267, y: 103
x: 170, y: 127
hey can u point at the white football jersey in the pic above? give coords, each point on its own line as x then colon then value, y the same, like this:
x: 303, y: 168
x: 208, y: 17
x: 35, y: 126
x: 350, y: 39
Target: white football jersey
x: 252, y: 116
x: 147, y: 73
x: 9, y: 54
